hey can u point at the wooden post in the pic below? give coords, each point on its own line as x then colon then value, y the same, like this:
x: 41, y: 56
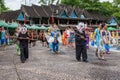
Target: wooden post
x: 40, y: 21
x: 67, y: 22
x: 58, y: 22
x: 48, y: 21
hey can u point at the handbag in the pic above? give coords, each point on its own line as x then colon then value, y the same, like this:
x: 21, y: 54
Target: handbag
x: 93, y: 43
x: 51, y: 39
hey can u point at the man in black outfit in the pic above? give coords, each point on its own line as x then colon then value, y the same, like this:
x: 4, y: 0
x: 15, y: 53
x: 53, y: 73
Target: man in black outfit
x: 23, y: 38
x: 80, y: 42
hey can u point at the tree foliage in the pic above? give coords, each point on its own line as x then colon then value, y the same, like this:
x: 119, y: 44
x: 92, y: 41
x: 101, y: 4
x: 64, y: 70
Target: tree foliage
x: 46, y: 2
x: 106, y: 8
x: 2, y: 6
x: 117, y: 3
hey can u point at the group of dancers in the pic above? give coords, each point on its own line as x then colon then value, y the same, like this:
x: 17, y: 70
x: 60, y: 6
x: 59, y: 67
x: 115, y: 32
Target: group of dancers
x: 77, y: 37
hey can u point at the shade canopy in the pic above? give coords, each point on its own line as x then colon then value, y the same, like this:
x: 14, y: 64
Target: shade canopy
x: 13, y: 25
x: 3, y: 23
x: 111, y: 28
x: 43, y: 28
x: 28, y: 27
x: 35, y: 27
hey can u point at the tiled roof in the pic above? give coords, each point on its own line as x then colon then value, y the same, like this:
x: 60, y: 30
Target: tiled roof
x: 48, y: 10
x: 109, y: 18
x: 9, y: 16
x: 40, y: 11
x: 36, y: 11
x: 95, y: 15
x: 30, y: 11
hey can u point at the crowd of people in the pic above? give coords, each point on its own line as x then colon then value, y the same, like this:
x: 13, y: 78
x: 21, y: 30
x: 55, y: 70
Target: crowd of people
x: 74, y: 37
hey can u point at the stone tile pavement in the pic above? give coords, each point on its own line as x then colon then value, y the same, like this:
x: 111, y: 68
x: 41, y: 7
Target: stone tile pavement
x: 43, y: 65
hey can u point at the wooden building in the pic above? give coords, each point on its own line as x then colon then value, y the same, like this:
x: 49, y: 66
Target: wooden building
x: 59, y: 14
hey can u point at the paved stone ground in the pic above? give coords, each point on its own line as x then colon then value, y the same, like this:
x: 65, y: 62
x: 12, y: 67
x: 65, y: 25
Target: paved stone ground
x: 43, y: 65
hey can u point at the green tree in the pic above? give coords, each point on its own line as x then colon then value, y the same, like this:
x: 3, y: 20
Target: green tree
x: 86, y: 4
x: 117, y: 3
x: 106, y: 8
x: 69, y: 2
x: 2, y: 6
x: 46, y: 2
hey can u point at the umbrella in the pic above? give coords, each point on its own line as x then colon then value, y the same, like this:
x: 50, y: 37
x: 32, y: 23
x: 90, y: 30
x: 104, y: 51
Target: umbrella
x: 13, y: 25
x: 3, y: 23
x: 35, y: 27
x: 28, y: 27
x: 43, y: 28
x: 111, y: 28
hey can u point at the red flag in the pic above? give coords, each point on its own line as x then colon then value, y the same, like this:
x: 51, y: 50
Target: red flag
x: 25, y: 20
x: 52, y: 19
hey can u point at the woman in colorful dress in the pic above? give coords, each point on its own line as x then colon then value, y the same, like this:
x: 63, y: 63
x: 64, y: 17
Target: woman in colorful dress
x: 103, y: 41
x: 65, y: 37
x: 97, y: 38
x: 108, y: 39
x: 87, y: 38
x: 72, y: 37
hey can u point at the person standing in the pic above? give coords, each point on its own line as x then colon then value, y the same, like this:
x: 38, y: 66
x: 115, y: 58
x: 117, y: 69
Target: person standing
x: 30, y: 38
x: 55, y: 44
x: 103, y: 41
x: 68, y: 35
x: 3, y: 38
x: 65, y: 37
x: 108, y: 39
x: 44, y: 40
x: 97, y: 38
x: 7, y: 38
x: 49, y: 33
x: 80, y: 43
x: 33, y: 37
x: 87, y: 38
x: 23, y: 38
x: 71, y: 38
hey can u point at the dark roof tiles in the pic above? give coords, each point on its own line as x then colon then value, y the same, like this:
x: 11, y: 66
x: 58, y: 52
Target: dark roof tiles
x: 40, y: 11
x: 30, y: 11
x: 36, y: 11
x: 9, y: 16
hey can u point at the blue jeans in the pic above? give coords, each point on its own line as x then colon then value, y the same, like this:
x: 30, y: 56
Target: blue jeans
x: 55, y: 46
